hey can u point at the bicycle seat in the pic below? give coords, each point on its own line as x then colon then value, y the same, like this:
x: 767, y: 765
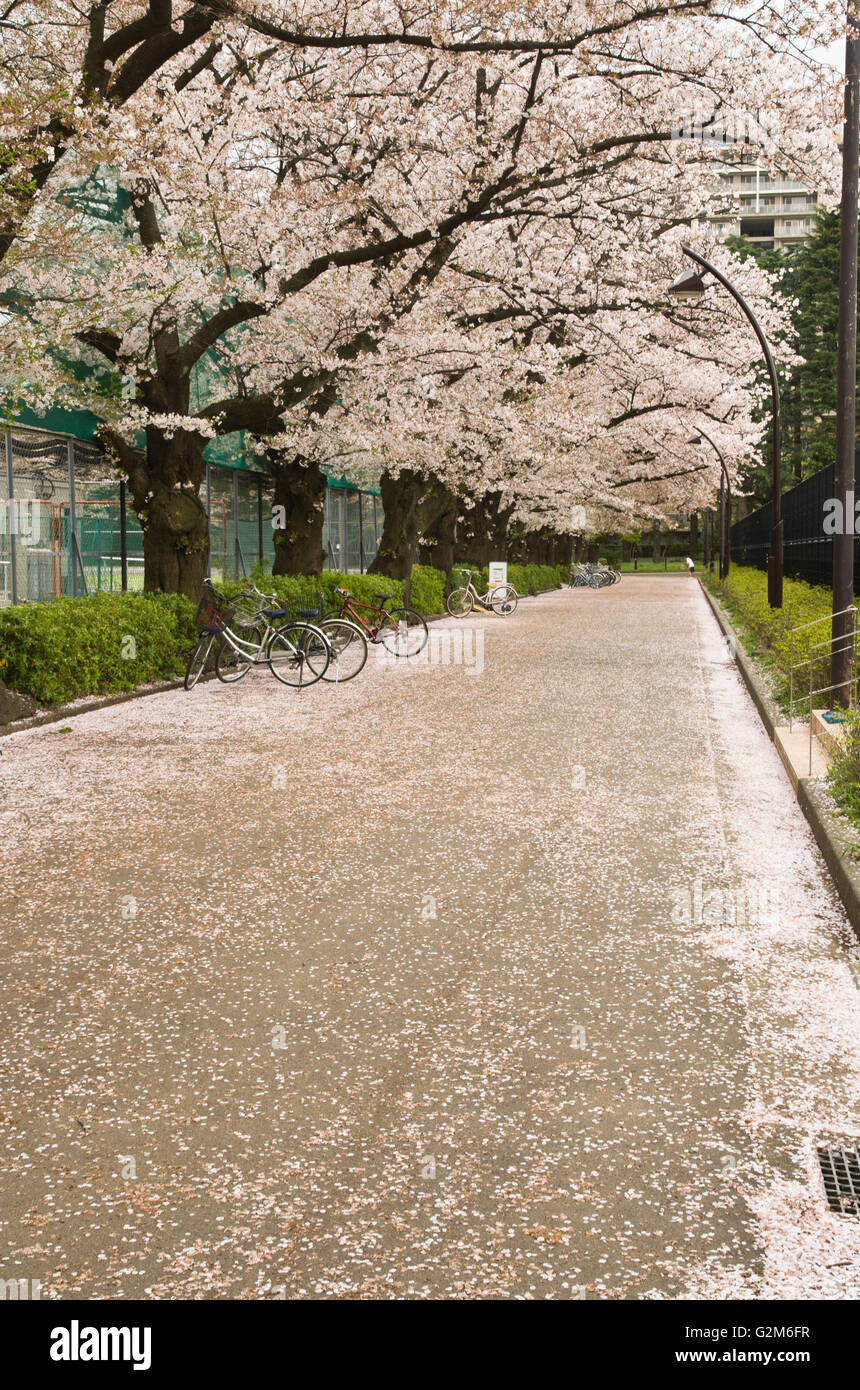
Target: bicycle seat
x: 274, y: 612
x: 382, y: 599
x: 307, y: 613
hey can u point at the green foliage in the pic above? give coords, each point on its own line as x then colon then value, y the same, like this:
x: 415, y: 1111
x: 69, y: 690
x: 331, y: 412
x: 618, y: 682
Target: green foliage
x: 428, y: 590
x: 525, y: 578
x: 79, y: 646
x: 744, y: 593
x: 844, y: 774
x: 59, y: 651
x: 809, y: 278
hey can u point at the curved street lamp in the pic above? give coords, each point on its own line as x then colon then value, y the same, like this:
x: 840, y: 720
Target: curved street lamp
x: 690, y: 285
x: 725, y: 502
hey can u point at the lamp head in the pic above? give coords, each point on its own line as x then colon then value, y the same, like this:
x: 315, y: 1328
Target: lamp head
x: 688, y: 285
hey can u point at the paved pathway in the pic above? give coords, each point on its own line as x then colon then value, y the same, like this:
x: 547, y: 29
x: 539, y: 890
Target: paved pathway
x: 528, y: 983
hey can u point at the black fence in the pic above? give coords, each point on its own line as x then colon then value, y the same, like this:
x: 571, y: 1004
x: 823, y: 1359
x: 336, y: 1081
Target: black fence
x: 808, y: 552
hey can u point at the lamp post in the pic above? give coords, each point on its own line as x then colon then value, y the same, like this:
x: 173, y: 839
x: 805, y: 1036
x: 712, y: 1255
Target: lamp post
x: 725, y: 502
x: 691, y: 286
x: 842, y: 655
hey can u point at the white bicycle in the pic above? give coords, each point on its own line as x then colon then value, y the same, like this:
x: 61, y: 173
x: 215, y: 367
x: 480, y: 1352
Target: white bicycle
x: 499, y: 598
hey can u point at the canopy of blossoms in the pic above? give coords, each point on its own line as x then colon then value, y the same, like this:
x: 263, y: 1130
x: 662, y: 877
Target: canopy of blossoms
x: 428, y: 245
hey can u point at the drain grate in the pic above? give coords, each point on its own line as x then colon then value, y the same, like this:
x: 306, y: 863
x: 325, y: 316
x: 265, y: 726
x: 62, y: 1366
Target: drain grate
x: 840, y: 1169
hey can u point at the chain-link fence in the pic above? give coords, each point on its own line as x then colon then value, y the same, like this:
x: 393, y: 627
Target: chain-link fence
x: 67, y: 525
x: 352, y: 529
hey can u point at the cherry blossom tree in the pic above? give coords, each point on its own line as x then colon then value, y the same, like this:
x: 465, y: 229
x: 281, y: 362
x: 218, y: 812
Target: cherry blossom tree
x: 436, y: 251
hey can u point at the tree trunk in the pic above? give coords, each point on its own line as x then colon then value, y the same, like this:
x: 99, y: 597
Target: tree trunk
x: 298, y: 510
x: 437, y: 517
x: 694, y: 533
x: 400, y: 498
x: 166, y: 494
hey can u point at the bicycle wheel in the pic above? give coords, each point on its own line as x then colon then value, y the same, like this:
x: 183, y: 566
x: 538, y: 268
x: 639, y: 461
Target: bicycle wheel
x: 403, y: 632
x: 348, y: 649
x: 504, y: 600
x: 298, y: 655
x: 198, y: 659
x: 231, y: 665
x: 459, y: 603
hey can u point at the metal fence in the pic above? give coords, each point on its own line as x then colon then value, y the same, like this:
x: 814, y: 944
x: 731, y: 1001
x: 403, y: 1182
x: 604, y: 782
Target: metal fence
x: 808, y: 552
x: 67, y: 525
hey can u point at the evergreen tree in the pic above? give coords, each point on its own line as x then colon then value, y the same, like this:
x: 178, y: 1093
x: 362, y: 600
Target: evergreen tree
x: 810, y: 278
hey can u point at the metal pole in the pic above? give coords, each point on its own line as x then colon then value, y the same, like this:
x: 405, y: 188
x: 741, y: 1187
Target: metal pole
x: 237, y: 554
x: 725, y: 506
x: 260, y: 516
x: 774, y: 563
x: 123, y: 537
x: 360, y: 532
x: 846, y: 370
x: 73, y: 519
x: 12, y: 521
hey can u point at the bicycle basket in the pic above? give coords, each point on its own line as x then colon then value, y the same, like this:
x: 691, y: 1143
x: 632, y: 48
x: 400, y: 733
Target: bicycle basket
x: 246, y: 610
x: 213, y: 610
x: 305, y: 608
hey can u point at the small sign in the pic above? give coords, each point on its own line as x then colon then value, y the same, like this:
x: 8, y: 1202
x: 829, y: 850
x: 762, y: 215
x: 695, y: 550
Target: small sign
x: 498, y: 570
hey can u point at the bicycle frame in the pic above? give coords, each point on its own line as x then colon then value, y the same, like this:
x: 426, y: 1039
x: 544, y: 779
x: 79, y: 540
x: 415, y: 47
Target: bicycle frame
x: 348, y: 611
x: 256, y: 653
x: 484, y: 599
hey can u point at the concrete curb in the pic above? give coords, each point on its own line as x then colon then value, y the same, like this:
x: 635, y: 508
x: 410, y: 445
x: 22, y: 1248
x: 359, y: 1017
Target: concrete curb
x: 760, y: 697
x: 835, y: 839
x: 55, y: 716
x: 833, y: 833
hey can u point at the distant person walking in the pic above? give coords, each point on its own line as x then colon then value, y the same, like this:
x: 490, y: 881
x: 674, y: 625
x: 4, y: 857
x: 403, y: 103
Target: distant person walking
x: 691, y: 566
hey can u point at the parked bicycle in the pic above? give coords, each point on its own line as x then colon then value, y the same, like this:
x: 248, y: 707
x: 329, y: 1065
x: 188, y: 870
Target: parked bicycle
x: 296, y: 651
x: 499, y: 598
x: 401, y: 631
x: 593, y: 576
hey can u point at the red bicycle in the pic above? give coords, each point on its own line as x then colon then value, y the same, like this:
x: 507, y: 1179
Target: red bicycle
x: 401, y: 631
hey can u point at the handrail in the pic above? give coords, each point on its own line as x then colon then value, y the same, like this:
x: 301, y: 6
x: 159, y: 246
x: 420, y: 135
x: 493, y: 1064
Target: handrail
x: 796, y: 666
x: 828, y: 618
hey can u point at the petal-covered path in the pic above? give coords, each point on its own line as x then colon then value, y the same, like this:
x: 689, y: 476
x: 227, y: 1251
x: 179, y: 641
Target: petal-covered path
x: 524, y: 981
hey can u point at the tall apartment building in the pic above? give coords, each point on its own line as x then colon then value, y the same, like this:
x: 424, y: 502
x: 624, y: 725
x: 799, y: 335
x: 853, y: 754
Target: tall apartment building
x: 770, y: 210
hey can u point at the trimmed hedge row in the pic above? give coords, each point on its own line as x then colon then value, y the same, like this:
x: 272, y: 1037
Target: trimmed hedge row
x: 744, y: 592
x: 106, y: 643
x: 84, y: 646
x: 526, y: 579
x: 428, y: 588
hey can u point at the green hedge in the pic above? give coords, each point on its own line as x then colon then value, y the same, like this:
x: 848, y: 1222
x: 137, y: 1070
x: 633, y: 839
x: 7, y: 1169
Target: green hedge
x: 80, y: 646
x: 744, y: 592
x: 428, y: 588
x: 56, y: 652
x: 525, y: 578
